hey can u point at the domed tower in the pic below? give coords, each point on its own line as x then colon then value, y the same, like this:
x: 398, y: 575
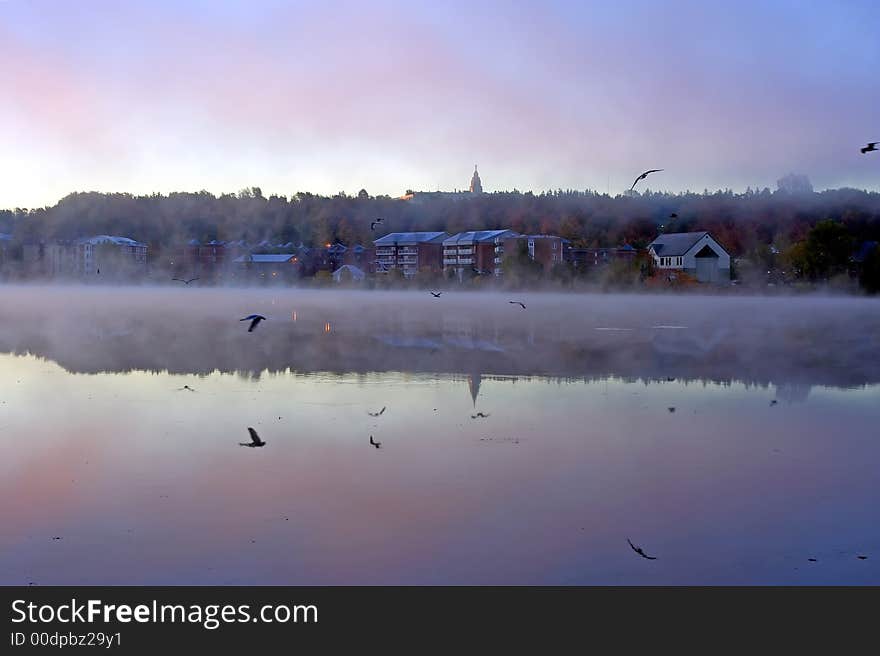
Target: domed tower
x: 476, y: 185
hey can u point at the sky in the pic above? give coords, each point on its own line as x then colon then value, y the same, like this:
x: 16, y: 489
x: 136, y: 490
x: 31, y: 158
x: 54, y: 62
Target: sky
x: 183, y: 95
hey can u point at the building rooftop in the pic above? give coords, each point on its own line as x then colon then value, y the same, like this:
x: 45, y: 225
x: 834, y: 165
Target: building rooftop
x: 107, y: 239
x: 356, y: 272
x: 406, y: 238
x: 478, y: 235
x: 676, y: 243
x: 265, y: 258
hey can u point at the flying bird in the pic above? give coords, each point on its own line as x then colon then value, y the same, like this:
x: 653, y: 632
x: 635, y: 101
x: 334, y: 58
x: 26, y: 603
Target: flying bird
x: 673, y: 216
x: 872, y: 145
x: 185, y: 387
x: 374, y: 223
x: 436, y: 294
x: 479, y: 414
x: 520, y: 303
x: 376, y: 414
x: 255, y: 440
x: 643, y: 176
x: 185, y: 282
x: 254, y: 319
x: 374, y: 443
x: 639, y: 551
x: 671, y: 408
x: 774, y: 402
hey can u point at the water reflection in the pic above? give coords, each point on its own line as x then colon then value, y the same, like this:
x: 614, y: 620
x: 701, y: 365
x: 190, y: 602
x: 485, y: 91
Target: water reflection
x: 783, y: 342
x: 147, y: 484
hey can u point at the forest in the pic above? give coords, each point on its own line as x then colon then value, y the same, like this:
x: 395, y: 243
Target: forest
x: 814, y: 234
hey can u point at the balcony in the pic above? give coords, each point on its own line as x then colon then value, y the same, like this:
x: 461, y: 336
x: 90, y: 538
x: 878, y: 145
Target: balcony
x: 465, y: 260
x: 465, y: 251
x: 497, y: 260
x: 499, y: 250
x: 384, y: 251
x: 407, y: 251
x: 450, y: 260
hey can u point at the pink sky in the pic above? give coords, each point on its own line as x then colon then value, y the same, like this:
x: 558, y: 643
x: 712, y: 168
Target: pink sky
x: 162, y: 96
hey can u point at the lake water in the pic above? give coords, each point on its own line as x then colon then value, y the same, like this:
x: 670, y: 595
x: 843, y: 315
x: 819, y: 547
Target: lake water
x: 771, y: 456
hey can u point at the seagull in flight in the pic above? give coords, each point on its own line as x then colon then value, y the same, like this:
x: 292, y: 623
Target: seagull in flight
x: 872, y: 146
x: 479, y: 414
x: 673, y: 216
x: 376, y: 414
x: 185, y: 282
x: 436, y: 294
x: 185, y: 387
x: 255, y: 440
x: 639, y: 551
x: 643, y: 176
x: 255, y: 319
x: 520, y: 303
x: 374, y: 443
x: 375, y: 223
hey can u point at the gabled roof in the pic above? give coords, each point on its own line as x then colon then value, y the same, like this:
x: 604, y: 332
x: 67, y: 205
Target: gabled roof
x: 410, y: 238
x: 107, y: 239
x: 478, y: 235
x: 265, y: 258
x: 674, y: 244
x: 356, y: 272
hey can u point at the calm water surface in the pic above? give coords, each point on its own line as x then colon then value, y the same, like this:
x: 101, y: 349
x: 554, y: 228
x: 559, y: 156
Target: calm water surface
x: 146, y: 483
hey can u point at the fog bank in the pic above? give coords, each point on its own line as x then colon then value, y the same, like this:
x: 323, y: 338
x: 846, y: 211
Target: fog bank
x: 804, y: 340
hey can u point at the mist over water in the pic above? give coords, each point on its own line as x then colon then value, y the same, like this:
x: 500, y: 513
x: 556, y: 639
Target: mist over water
x: 733, y: 438
x: 803, y: 340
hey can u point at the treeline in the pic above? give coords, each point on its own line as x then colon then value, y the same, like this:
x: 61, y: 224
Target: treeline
x: 752, y: 224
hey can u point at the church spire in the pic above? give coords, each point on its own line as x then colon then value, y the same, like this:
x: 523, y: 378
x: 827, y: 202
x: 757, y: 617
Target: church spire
x: 476, y: 183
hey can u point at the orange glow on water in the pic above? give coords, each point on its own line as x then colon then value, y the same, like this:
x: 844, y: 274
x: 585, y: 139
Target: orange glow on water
x: 327, y: 327
x: 293, y: 315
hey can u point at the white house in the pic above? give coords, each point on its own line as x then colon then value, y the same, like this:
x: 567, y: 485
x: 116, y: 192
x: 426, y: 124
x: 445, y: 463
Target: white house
x: 696, y: 253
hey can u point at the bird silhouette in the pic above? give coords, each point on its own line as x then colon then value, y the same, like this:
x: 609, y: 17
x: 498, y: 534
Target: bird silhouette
x: 185, y: 387
x: 639, y: 551
x: 480, y: 415
x: 255, y: 440
x: 185, y: 282
x: 436, y: 294
x: 673, y: 216
x: 872, y: 146
x: 520, y: 303
x: 374, y: 223
x: 376, y: 414
x: 374, y: 443
x: 774, y: 402
x: 671, y: 408
x: 255, y: 319
x: 643, y: 176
